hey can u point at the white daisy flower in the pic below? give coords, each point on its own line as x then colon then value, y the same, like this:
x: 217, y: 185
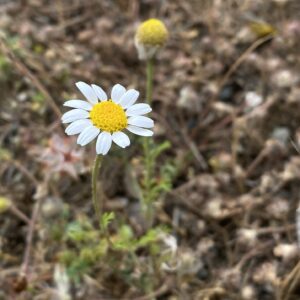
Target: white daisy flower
x: 105, y: 118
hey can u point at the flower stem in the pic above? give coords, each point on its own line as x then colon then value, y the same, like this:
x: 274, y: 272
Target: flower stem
x: 149, y: 169
x: 149, y: 88
x: 148, y: 206
x: 97, y: 204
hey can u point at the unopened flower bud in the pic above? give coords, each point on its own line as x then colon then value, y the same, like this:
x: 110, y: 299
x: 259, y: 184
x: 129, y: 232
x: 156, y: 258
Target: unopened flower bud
x: 151, y: 35
x: 4, y: 204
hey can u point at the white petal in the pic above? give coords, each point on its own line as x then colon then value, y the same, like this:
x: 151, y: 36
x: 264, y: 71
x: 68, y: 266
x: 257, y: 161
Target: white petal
x: 117, y: 92
x: 141, y: 121
x: 129, y: 98
x: 78, y: 104
x: 73, y: 115
x: 78, y: 126
x: 121, y: 139
x: 138, y: 109
x: 87, y: 91
x: 103, y: 143
x: 87, y: 135
x: 139, y: 130
x: 99, y: 92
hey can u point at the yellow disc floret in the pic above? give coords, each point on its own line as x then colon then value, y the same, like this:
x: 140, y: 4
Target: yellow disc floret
x: 152, y: 32
x: 108, y: 116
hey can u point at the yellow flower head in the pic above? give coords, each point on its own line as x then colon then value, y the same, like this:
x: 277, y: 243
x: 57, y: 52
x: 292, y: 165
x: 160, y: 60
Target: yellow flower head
x: 152, y: 32
x: 150, y: 37
x: 108, y: 116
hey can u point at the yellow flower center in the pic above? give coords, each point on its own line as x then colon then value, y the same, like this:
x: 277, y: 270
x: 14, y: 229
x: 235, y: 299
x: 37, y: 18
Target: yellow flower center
x: 108, y: 116
x: 152, y: 32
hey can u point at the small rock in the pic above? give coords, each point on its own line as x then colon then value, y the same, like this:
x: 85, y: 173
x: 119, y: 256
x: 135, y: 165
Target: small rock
x: 284, y: 79
x: 286, y: 251
x: 52, y: 207
x: 281, y: 134
x: 248, y: 292
x: 253, y: 99
x: 247, y: 237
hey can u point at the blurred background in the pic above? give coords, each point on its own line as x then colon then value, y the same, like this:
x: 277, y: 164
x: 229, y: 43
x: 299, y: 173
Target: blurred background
x: 226, y: 98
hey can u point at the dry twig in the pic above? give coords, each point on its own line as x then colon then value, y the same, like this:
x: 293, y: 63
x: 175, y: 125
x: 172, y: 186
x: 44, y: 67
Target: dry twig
x: 26, y: 72
x: 239, y: 61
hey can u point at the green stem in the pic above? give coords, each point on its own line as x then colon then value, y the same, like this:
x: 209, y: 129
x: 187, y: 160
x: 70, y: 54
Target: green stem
x: 149, y: 168
x: 149, y: 88
x: 148, y: 161
x: 97, y: 204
